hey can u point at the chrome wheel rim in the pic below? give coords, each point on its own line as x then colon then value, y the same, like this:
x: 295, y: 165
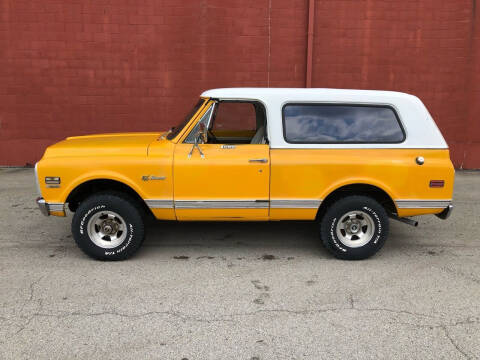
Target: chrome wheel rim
x: 355, y: 229
x: 107, y: 229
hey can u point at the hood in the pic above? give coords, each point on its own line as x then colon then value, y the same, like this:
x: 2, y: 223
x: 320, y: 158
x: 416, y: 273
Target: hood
x: 128, y: 144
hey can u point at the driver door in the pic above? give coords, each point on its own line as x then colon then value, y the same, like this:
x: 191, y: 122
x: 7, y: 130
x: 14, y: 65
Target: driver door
x: 230, y: 181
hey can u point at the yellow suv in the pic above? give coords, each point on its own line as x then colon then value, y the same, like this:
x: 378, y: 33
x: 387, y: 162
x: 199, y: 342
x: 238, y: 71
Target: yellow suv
x: 349, y: 159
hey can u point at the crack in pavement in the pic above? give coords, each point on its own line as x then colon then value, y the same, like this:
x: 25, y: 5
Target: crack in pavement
x: 231, y: 317
x: 469, y: 277
x: 32, y: 291
x: 454, y: 343
x: 445, y: 327
x: 125, y: 315
x: 27, y: 301
x: 226, y: 317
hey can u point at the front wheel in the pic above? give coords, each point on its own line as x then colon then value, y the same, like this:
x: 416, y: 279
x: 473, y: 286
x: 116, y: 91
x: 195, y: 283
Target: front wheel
x: 354, y: 227
x: 108, y: 226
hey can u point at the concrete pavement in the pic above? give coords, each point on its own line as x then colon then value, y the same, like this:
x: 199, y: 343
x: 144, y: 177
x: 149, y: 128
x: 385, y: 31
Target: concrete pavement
x: 238, y: 290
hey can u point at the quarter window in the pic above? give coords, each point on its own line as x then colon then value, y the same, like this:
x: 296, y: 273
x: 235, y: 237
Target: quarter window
x: 204, y: 120
x: 332, y: 123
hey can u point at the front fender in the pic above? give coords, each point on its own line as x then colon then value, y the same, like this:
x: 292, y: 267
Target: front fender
x: 103, y: 175
x: 74, y: 172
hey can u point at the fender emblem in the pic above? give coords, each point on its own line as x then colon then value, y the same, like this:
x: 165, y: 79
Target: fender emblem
x: 152, y: 177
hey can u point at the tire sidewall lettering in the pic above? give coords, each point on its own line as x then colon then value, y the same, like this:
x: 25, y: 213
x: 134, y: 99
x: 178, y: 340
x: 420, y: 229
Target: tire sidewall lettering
x: 333, y: 235
x: 87, y: 214
x: 123, y: 246
x: 378, y: 225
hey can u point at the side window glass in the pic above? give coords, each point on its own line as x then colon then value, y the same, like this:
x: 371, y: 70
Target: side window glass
x: 332, y: 123
x: 233, y: 117
x: 231, y: 122
x: 238, y: 123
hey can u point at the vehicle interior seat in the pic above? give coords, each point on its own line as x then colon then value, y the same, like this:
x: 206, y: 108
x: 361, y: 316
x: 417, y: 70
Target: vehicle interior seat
x: 259, y: 137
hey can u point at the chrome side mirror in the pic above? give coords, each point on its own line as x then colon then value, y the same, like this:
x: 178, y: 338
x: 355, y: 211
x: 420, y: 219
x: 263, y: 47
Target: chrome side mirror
x: 203, y: 133
x: 201, y: 137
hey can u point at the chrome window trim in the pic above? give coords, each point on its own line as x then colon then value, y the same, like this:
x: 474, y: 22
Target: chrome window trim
x: 250, y: 100
x: 211, y: 109
x: 395, y: 108
x: 423, y: 204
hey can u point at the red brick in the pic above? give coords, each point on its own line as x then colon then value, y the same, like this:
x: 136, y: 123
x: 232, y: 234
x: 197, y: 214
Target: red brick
x: 71, y: 68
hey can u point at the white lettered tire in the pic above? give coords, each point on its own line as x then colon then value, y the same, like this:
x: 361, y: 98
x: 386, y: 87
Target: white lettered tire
x: 108, y: 226
x: 354, y: 227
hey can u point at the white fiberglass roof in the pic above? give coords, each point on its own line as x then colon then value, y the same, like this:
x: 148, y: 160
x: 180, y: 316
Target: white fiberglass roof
x: 421, y: 130
x: 307, y: 94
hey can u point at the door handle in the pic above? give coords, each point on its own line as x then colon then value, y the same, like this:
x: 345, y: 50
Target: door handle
x: 258, y: 161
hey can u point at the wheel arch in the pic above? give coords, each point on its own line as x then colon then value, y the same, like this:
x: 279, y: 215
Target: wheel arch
x: 382, y: 196
x: 92, y: 186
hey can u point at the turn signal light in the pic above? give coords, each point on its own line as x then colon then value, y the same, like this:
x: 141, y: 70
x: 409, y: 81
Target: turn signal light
x: 437, y: 183
x: 52, y: 180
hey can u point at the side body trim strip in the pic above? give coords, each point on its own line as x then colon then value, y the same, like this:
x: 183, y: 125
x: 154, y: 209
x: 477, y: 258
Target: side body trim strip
x: 233, y: 204
x: 295, y: 204
x: 159, y: 204
x: 422, y: 204
x: 265, y: 204
x: 221, y: 204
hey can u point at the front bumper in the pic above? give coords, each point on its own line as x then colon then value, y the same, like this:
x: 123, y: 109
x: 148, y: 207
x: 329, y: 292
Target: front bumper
x: 47, y: 209
x: 445, y: 213
x: 43, y: 206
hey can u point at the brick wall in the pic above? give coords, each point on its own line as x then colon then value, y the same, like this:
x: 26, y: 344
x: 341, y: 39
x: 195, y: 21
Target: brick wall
x: 79, y: 67
x: 429, y: 48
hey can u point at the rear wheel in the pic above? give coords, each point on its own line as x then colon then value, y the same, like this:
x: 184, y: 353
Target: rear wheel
x: 108, y: 226
x: 354, y: 227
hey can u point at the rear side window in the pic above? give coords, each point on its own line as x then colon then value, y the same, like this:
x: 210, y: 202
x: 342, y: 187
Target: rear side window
x: 341, y: 123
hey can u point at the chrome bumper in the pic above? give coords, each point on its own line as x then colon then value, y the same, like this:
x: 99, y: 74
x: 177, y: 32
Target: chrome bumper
x: 47, y: 208
x: 43, y: 206
x: 445, y: 213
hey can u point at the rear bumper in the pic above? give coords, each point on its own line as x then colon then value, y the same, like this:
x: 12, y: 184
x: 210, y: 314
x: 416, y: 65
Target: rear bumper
x: 47, y: 209
x: 445, y: 213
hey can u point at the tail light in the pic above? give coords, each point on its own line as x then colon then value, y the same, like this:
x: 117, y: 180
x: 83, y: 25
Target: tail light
x: 437, y: 183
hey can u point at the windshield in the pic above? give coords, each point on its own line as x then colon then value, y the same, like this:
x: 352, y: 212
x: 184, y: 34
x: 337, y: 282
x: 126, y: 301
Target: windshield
x: 176, y: 130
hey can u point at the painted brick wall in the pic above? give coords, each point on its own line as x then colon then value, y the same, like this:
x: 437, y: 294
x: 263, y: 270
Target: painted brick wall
x: 84, y: 66
x: 429, y: 48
